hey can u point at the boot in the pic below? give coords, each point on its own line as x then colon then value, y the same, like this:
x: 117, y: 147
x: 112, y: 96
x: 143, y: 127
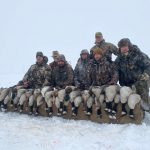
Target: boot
x: 124, y: 111
x: 30, y: 110
x: 131, y: 114
x: 65, y: 110
x: 75, y: 111
x: 50, y: 111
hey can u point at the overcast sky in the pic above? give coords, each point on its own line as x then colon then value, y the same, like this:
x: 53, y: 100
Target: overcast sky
x: 28, y: 26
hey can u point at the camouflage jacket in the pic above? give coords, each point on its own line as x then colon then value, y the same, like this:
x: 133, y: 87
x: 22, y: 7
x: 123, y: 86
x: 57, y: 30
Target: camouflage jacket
x: 103, y: 73
x: 53, y: 65
x: 132, y: 66
x: 80, y: 74
x: 38, y: 76
x: 108, y: 49
x: 62, y: 76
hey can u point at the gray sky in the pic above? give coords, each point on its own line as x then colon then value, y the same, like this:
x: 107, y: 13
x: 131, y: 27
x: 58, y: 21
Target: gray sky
x: 28, y: 26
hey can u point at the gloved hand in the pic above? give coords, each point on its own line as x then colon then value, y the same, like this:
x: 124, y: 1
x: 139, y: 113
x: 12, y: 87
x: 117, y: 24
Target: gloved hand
x: 144, y: 77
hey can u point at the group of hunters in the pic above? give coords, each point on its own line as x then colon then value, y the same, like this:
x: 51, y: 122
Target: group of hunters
x: 93, y: 69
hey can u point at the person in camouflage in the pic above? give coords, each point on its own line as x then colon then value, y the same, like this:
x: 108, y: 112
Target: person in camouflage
x: 38, y: 76
x: 102, y: 73
x: 81, y: 71
x: 107, y: 48
x: 55, y: 55
x: 134, y: 69
x: 80, y: 77
x: 62, y: 76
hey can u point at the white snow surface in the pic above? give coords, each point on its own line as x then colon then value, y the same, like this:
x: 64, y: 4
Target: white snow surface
x: 23, y: 132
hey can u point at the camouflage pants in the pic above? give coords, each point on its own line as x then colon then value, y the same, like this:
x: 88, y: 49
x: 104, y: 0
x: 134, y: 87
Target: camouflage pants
x: 142, y: 88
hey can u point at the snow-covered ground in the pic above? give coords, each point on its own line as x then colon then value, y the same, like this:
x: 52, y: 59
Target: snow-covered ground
x: 23, y: 132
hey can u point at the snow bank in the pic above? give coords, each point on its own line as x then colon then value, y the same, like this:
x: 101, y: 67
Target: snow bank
x: 22, y: 132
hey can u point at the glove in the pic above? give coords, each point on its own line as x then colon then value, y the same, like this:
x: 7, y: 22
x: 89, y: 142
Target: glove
x: 144, y: 77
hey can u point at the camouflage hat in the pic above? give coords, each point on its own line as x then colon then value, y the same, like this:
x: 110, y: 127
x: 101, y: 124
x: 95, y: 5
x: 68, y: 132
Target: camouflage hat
x: 84, y: 51
x: 61, y: 58
x: 124, y: 42
x: 55, y: 54
x: 39, y: 54
x: 98, y: 51
x: 98, y: 34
